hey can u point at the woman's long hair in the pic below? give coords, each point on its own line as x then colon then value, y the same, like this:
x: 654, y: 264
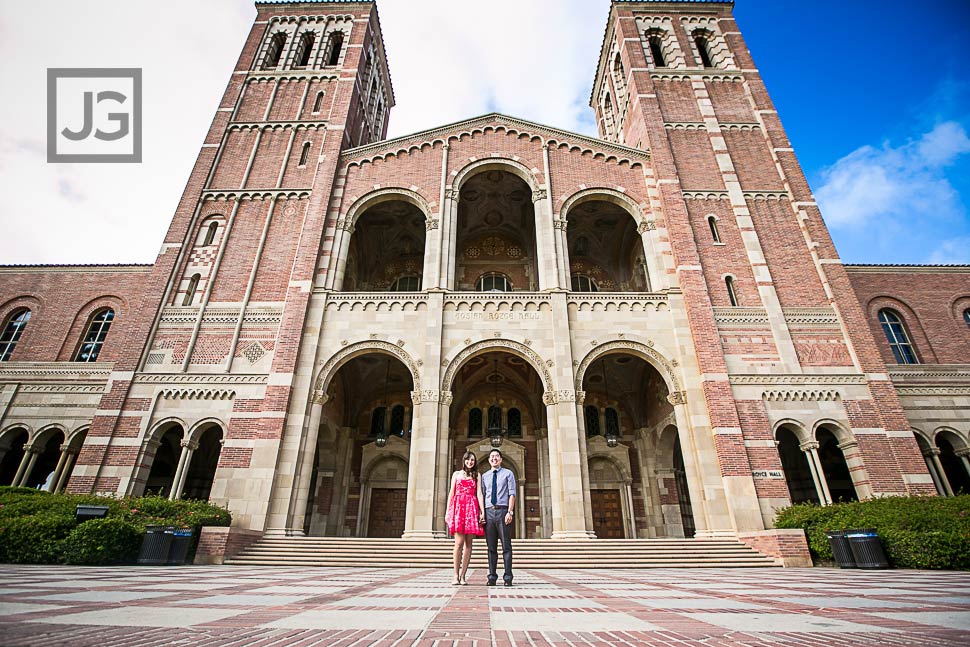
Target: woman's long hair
x: 474, y: 470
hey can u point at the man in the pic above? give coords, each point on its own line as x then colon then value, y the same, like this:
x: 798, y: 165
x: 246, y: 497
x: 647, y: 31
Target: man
x: 498, y: 488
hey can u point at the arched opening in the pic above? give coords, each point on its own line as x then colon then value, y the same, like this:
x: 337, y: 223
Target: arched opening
x: 606, y: 499
x: 731, y: 291
x: 928, y: 452
x: 202, y: 467
x: 163, y: 455
x: 605, y: 250
x: 303, y: 50
x: 683, y: 492
x: 798, y: 473
x: 304, y: 154
x: 13, y: 328
x: 386, y: 250
x: 75, y: 442
x: 702, y: 42
x: 274, y: 51
x: 953, y: 466
x: 334, y: 45
x: 41, y: 474
x: 656, y: 50
x: 358, y: 484
x: 497, y: 396
x: 93, y: 340
x: 191, y: 289
x: 318, y: 102
x: 496, y: 234
x: 897, y: 337
x: 11, y: 453
x: 715, y: 234
x: 210, y: 233
x: 834, y: 467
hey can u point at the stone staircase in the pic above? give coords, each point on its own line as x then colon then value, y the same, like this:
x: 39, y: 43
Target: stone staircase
x: 529, y: 553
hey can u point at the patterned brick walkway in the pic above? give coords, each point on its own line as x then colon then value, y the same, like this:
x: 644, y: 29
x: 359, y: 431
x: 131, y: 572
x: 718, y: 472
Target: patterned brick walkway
x: 253, y: 607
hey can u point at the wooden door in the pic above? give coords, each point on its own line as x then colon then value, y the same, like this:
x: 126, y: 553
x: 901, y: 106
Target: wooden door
x: 607, y: 514
x: 386, y: 515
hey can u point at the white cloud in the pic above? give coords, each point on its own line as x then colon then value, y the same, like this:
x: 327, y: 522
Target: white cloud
x: 887, y: 185
x: 955, y: 251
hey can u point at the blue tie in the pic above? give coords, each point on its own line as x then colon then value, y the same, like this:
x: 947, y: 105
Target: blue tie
x: 494, y: 487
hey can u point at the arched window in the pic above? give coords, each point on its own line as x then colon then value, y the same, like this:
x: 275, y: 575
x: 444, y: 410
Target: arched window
x: 656, y: 51
x: 303, y: 50
x: 274, y: 51
x: 210, y: 233
x: 732, y: 294
x: 592, y: 415
x: 377, y: 421
x: 702, y: 43
x: 966, y: 317
x: 896, y: 335
x: 515, y: 423
x: 190, y: 289
x: 318, y: 102
x: 712, y: 223
x: 494, y: 282
x: 619, y: 80
x: 93, y: 340
x: 334, y: 46
x: 475, y: 422
x: 12, y: 330
x: 494, y: 417
x: 608, y: 115
x: 406, y: 284
x: 397, y: 420
x: 305, y: 153
x: 612, y: 422
x: 583, y: 283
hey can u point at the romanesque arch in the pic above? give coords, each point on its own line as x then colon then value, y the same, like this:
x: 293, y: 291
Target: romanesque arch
x: 639, y: 349
x: 509, y: 345
x: 349, y: 352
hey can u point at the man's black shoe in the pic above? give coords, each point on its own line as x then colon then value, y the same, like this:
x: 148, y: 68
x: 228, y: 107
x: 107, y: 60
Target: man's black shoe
x: 508, y: 584
x: 491, y: 583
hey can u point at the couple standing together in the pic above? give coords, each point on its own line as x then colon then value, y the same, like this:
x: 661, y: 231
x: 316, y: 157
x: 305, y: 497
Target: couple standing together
x: 482, y: 505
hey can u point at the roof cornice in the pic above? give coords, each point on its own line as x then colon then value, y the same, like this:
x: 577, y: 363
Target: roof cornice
x: 907, y: 269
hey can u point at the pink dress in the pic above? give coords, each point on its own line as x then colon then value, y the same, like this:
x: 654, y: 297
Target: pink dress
x: 462, y: 516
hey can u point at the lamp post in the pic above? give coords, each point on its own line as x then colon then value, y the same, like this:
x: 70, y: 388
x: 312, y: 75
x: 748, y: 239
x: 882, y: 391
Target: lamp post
x: 381, y: 440
x: 612, y: 432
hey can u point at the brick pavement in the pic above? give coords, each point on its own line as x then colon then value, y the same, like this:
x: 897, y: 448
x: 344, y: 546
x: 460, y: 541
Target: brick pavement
x: 252, y: 607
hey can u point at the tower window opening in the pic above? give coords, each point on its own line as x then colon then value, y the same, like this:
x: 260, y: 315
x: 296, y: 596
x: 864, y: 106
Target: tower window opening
x: 334, y: 47
x: 191, y: 289
x: 732, y: 294
x: 397, y: 420
x: 703, y: 50
x: 305, y: 154
x: 712, y: 223
x: 514, y: 423
x: 494, y: 282
x: 93, y: 340
x: 656, y: 52
x: 318, y: 102
x: 592, y: 415
x: 274, y: 51
x: 475, y: 422
x: 377, y: 421
x: 12, y: 331
x: 612, y: 422
x: 210, y: 234
x: 902, y: 347
x: 305, y: 48
x: 495, y: 417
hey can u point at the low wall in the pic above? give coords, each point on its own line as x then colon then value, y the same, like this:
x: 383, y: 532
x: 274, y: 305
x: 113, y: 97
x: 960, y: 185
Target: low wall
x: 788, y: 546
x: 216, y: 543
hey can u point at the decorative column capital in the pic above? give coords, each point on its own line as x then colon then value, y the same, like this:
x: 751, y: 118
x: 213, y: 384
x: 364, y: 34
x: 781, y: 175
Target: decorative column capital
x: 560, y: 223
x: 430, y: 224
x: 451, y: 194
x: 849, y: 444
x: 445, y: 398
x: 677, y: 397
x: 539, y: 194
x: 190, y: 444
x: 645, y: 226
x: 549, y: 397
x: 808, y: 445
x: 964, y: 452
x: 932, y: 451
x: 580, y: 397
x: 319, y: 397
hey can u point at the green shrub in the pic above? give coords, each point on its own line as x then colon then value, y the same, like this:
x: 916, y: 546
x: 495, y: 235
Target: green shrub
x: 34, y: 539
x: 102, y: 541
x: 916, y: 532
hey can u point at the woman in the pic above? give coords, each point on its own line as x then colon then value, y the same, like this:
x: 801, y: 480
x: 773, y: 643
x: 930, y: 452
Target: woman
x: 465, y: 506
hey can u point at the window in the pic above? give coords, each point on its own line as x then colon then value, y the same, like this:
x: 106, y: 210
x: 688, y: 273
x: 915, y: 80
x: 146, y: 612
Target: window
x: 334, y: 47
x: 583, y: 283
x: 702, y: 50
x: 592, y: 415
x: 612, y: 422
x: 303, y: 50
x: 318, y: 102
x: 475, y: 422
x: 619, y: 80
x: 12, y: 331
x: 657, y: 52
x: 397, y: 420
x: 210, y: 234
x: 406, y: 284
x: 190, y: 289
x: 515, y: 423
x: 896, y: 335
x: 305, y: 153
x: 712, y: 223
x: 93, y: 340
x: 732, y: 295
x: 377, y: 421
x: 966, y: 317
x: 274, y: 51
x: 494, y: 417
x: 494, y: 282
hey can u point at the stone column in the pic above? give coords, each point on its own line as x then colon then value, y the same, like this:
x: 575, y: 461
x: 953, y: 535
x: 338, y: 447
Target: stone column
x: 296, y: 514
x: 560, y: 227
x: 443, y: 471
x: 656, y: 275
x: 584, y: 455
x: 61, y: 462
x: 182, y: 472
x: 964, y: 455
x: 66, y: 472
x: 815, y: 466
x: 935, y: 457
x: 26, y: 465
x: 345, y: 229
x: 631, y: 525
x: 931, y: 468
x: 420, y: 511
x: 449, y: 239
x: 857, y: 469
x: 548, y: 278
x: 569, y: 493
x: 692, y: 470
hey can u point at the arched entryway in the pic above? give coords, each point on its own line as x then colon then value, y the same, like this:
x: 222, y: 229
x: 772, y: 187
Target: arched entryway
x: 41, y: 469
x: 954, y: 467
x: 834, y: 466
x: 201, y: 463
x: 162, y: 453
x: 802, y: 486
x: 605, y: 250
x: 386, y: 249
x: 12, y: 443
x: 358, y: 483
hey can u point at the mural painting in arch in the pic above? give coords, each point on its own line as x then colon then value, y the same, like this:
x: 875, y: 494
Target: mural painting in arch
x: 359, y: 478
x: 636, y: 469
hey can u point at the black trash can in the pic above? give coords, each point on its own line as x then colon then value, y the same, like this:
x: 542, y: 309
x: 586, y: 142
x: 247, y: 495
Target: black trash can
x: 155, y: 546
x: 84, y: 513
x: 841, y: 549
x: 866, y: 549
x: 179, y: 550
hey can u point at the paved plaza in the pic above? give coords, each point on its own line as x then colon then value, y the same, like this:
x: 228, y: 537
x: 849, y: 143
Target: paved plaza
x: 250, y: 607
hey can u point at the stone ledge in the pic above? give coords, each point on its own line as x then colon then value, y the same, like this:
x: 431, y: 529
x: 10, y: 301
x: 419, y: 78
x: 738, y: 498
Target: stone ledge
x: 788, y: 546
x: 217, y: 543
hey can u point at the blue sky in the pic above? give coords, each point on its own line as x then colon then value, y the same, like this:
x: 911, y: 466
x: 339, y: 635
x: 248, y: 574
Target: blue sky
x: 875, y: 97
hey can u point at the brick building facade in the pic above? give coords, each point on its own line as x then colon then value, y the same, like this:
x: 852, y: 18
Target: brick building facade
x: 654, y: 324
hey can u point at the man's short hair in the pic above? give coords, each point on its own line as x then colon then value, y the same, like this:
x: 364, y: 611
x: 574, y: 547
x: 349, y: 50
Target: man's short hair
x: 495, y: 451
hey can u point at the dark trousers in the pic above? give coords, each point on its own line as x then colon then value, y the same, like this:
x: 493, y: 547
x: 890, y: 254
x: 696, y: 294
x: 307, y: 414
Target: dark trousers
x: 495, y: 529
